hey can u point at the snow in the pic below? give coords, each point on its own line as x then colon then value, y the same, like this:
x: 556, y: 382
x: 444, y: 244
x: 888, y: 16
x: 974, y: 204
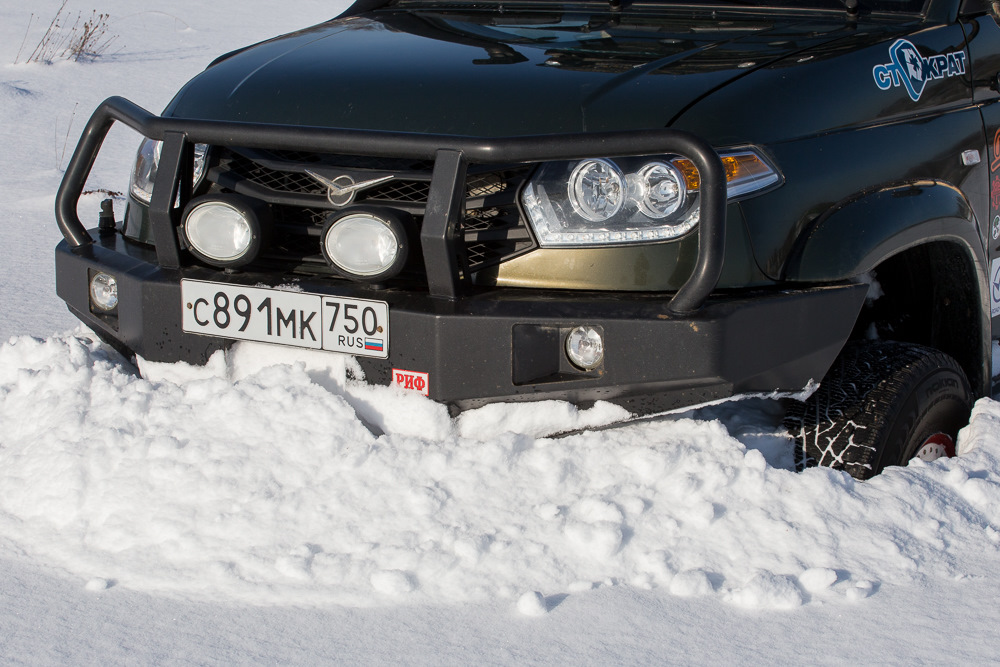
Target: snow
x: 532, y: 603
x: 186, y: 485
x: 272, y: 508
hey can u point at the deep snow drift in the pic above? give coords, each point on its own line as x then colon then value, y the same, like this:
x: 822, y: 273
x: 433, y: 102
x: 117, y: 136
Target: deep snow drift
x: 249, y: 481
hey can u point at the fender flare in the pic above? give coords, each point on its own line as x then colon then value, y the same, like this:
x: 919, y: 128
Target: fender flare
x: 857, y: 234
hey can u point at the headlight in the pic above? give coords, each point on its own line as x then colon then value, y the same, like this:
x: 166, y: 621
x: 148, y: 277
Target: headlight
x: 596, y: 202
x: 597, y: 190
x: 660, y: 190
x: 147, y: 162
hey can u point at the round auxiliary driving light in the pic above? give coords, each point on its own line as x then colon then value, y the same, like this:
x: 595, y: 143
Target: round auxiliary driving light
x: 597, y: 190
x: 367, y: 246
x: 223, y: 230
x: 104, y: 291
x: 585, y: 347
x: 663, y: 190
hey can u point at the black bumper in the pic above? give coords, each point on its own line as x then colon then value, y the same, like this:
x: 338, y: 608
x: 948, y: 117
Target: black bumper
x: 507, y: 344
x: 476, y: 347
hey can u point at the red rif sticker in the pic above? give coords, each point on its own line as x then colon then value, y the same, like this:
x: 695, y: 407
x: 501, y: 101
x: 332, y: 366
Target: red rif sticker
x: 412, y: 381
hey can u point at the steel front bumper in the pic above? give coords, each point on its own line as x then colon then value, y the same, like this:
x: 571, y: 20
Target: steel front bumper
x: 507, y: 345
x: 474, y: 346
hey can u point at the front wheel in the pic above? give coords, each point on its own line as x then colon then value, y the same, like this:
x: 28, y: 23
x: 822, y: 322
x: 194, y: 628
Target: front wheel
x: 882, y: 403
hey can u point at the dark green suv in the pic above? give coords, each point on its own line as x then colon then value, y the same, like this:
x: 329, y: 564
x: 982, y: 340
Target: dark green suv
x: 654, y: 203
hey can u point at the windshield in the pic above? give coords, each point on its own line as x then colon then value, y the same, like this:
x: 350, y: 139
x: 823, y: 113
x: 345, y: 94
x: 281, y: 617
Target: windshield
x: 878, y: 6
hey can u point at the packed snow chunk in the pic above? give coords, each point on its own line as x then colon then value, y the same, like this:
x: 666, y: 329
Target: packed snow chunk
x: 594, y: 510
x: 703, y: 513
x: 97, y: 584
x: 180, y: 373
x: 599, y: 540
x: 691, y: 583
x: 330, y: 370
x: 398, y: 412
x: 298, y: 563
x: 469, y: 549
x: 984, y: 424
x: 532, y: 603
x: 393, y: 582
x: 817, y: 579
x: 655, y: 567
x: 293, y: 567
x: 596, y: 528
x: 754, y: 460
x: 767, y: 590
x: 860, y: 590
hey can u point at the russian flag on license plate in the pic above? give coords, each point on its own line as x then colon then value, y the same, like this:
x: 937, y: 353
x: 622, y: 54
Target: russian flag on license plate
x: 373, y: 344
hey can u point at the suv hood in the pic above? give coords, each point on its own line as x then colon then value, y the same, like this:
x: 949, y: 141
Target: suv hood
x: 493, y: 74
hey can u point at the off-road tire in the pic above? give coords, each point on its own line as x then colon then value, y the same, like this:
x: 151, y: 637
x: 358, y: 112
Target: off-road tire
x: 877, y: 406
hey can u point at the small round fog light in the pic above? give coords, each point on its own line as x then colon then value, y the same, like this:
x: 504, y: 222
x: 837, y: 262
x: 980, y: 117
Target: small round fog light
x: 104, y: 291
x: 366, y: 246
x: 585, y: 347
x: 222, y: 230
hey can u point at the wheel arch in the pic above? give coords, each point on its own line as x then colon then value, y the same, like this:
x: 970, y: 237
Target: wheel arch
x: 919, y: 244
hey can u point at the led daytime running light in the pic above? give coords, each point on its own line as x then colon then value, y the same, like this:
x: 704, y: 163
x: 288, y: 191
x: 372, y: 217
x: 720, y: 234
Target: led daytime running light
x: 596, y: 202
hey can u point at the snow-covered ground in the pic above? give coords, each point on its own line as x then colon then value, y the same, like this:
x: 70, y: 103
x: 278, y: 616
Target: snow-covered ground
x: 244, y: 513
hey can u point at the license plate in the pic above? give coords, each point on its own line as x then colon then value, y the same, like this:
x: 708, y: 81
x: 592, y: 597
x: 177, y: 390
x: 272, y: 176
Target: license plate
x: 318, y: 321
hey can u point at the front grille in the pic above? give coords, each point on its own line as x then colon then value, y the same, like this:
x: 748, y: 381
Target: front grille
x: 491, y: 232
x: 275, y: 180
x: 410, y: 192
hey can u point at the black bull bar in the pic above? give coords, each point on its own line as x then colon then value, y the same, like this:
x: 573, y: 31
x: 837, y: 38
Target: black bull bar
x: 445, y: 204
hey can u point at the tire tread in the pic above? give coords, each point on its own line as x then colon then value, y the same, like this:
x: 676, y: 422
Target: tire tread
x: 858, y: 418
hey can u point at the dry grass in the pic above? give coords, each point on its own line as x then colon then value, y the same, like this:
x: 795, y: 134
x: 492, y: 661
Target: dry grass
x: 60, y: 158
x: 87, y: 38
